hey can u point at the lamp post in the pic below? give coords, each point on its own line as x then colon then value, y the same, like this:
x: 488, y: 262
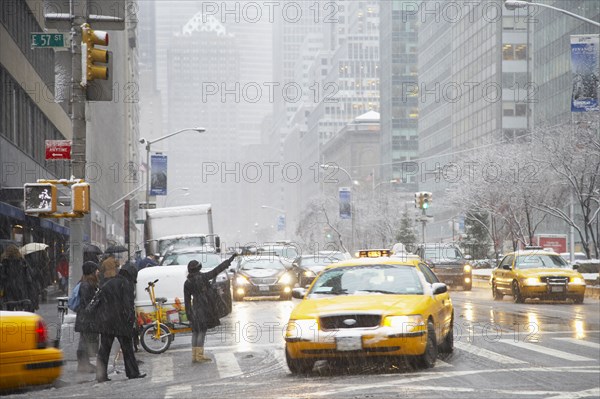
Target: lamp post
x: 148, y: 146
x: 514, y: 4
x: 353, y: 210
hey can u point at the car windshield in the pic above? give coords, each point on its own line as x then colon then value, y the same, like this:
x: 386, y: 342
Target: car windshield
x: 537, y: 261
x: 442, y: 254
x: 262, y: 263
x: 372, y: 279
x: 209, y: 260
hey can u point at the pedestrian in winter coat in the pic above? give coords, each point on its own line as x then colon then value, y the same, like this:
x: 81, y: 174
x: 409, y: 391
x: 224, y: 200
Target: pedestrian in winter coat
x: 197, y: 306
x: 108, y: 269
x: 62, y: 268
x: 85, y: 323
x: 16, y: 282
x: 115, y: 318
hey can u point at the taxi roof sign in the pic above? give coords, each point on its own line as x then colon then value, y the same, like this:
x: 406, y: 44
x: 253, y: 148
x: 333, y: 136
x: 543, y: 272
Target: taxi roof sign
x: 374, y: 253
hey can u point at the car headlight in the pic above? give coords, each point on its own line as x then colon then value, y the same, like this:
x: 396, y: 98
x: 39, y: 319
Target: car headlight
x: 577, y: 280
x: 404, y: 323
x: 467, y: 268
x: 241, y: 280
x: 304, y: 328
x: 285, y: 279
x: 531, y: 281
x: 309, y: 273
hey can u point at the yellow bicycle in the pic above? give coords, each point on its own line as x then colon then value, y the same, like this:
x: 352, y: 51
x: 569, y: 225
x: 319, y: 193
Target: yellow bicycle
x: 157, y: 336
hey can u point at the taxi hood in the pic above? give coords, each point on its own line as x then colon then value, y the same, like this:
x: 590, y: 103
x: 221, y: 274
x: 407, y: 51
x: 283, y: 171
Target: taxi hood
x: 544, y: 272
x: 368, y: 304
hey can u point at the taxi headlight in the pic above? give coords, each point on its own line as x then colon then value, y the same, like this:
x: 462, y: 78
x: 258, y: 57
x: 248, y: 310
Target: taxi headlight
x: 302, y: 328
x: 577, y: 280
x: 404, y: 323
x: 241, y: 280
x: 285, y: 279
x: 467, y: 268
x: 531, y: 281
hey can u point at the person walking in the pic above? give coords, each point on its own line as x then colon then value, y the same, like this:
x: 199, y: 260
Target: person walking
x: 197, y: 305
x: 62, y: 269
x: 115, y: 318
x: 85, y: 321
x: 16, y: 282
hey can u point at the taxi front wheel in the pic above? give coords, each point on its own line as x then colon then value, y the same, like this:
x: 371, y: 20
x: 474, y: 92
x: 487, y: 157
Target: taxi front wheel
x: 517, y: 297
x: 428, y: 358
x: 299, y: 366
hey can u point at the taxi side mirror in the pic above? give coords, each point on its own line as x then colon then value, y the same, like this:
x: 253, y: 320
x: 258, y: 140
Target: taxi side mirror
x: 506, y: 267
x: 439, y: 288
x: 298, y: 293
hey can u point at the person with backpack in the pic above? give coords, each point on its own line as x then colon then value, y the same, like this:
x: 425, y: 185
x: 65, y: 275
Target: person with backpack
x: 85, y: 321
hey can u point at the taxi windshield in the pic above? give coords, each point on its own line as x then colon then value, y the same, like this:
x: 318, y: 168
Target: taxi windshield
x: 537, y: 261
x: 372, y: 279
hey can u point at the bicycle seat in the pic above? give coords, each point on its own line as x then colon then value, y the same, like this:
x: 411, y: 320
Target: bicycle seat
x: 161, y: 300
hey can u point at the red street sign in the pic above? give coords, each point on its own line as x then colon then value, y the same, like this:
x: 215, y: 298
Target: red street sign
x: 58, y: 149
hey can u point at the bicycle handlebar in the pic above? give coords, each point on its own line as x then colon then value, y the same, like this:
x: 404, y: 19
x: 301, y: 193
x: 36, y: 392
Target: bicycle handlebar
x: 151, y: 284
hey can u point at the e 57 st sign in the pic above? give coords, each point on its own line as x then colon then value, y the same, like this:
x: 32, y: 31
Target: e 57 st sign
x: 42, y: 40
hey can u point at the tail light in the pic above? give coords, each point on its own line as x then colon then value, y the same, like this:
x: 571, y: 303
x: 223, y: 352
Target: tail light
x: 41, y: 333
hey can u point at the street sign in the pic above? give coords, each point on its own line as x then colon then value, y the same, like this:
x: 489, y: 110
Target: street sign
x: 58, y: 149
x: 47, y: 40
x: 151, y: 205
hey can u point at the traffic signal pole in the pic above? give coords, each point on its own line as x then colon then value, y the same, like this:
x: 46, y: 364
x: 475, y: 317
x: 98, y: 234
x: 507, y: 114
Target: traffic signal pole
x: 78, y: 125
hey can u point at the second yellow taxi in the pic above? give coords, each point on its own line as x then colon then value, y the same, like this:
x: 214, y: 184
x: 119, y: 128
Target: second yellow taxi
x: 370, y: 307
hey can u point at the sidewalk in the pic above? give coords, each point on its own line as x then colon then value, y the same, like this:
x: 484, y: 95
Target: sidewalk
x: 69, y: 342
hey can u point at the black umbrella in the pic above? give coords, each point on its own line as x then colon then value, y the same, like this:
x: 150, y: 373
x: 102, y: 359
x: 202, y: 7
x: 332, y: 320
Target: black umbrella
x: 115, y: 249
x: 91, y: 249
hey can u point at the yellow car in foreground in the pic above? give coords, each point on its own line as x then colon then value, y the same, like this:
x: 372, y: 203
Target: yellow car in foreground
x: 536, y: 273
x: 370, y: 307
x: 25, y: 358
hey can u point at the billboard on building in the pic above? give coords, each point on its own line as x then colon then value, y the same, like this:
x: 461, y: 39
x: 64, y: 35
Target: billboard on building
x: 584, y: 72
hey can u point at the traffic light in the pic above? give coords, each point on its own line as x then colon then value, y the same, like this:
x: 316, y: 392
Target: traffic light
x: 40, y: 198
x: 92, y: 56
x: 426, y: 200
x: 418, y: 200
x: 80, y: 198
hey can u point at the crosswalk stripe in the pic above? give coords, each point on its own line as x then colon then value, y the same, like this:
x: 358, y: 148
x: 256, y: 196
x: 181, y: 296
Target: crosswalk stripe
x: 546, y: 351
x: 227, y: 364
x: 589, y: 344
x: 177, y: 391
x: 493, y: 356
x: 165, y: 365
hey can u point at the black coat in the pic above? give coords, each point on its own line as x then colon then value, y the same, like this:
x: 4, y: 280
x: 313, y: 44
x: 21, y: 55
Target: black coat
x: 85, y: 322
x: 115, y: 314
x: 16, y: 281
x: 197, y: 306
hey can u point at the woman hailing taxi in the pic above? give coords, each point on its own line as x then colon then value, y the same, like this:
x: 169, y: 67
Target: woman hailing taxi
x: 198, y: 307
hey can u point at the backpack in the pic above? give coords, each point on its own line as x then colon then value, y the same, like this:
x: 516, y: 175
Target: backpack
x: 74, y: 300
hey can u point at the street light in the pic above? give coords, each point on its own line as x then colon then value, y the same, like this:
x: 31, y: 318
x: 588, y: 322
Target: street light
x: 149, y: 143
x: 327, y: 166
x: 514, y: 4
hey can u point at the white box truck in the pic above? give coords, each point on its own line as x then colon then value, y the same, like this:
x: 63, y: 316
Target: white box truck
x: 179, y: 227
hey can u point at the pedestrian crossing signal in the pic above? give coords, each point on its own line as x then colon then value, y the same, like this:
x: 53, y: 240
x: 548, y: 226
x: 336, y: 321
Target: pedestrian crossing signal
x: 40, y: 198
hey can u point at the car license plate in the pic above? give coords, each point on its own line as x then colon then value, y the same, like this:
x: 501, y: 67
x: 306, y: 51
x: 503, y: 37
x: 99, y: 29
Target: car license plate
x: 557, y: 288
x: 348, y: 343
x: 263, y: 288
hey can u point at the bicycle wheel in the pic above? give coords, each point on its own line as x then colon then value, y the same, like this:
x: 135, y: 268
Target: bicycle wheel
x: 154, y: 344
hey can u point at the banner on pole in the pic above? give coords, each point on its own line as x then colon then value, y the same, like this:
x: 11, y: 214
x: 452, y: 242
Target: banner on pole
x: 584, y: 72
x: 345, y: 196
x: 158, y: 176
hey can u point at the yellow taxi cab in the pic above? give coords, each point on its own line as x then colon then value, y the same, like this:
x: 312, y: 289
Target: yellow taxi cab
x: 536, y: 273
x: 25, y: 357
x: 370, y: 307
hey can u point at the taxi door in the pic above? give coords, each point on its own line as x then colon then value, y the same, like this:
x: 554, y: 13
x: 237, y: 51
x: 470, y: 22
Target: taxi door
x: 443, y: 304
x: 502, y: 276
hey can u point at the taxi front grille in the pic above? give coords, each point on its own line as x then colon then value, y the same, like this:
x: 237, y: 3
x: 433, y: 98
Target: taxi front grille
x: 555, y: 280
x: 350, y: 321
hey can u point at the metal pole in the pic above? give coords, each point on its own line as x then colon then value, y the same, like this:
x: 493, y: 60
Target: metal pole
x: 572, y: 230
x: 78, y: 125
x: 148, y: 175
